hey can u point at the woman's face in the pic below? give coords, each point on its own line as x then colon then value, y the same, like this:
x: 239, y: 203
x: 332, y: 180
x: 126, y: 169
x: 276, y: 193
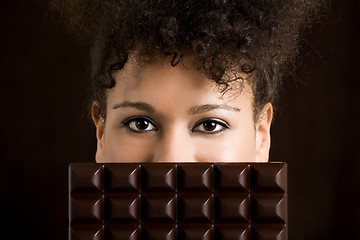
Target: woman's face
x: 160, y: 113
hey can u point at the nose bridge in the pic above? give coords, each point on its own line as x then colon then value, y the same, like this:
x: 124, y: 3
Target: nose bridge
x: 175, y: 146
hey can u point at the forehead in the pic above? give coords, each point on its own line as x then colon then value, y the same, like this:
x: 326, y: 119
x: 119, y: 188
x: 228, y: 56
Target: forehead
x: 166, y: 88
x: 139, y: 71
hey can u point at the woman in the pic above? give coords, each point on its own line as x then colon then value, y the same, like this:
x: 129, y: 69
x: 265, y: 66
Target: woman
x: 178, y: 81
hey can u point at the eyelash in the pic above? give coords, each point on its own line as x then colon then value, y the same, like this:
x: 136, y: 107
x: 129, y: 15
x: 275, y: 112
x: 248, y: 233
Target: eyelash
x: 132, y: 121
x: 224, y: 126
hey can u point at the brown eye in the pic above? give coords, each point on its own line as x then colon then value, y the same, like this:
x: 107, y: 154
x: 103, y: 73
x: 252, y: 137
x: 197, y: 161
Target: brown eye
x: 210, y: 126
x: 140, y: 124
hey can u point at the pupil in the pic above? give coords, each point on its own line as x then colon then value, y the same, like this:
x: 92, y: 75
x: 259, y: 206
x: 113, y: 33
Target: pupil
x: 209, y: 126
x: 142, y: 124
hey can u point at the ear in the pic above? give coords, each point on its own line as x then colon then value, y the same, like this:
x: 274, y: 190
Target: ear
x: 99, y: 122
x: 263, y: 140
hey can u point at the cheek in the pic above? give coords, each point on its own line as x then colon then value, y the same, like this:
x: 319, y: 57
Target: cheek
x: 233, y: 148
x: 127, y: 149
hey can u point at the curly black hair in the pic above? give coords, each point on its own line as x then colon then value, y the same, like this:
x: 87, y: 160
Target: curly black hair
x: 257, y: 38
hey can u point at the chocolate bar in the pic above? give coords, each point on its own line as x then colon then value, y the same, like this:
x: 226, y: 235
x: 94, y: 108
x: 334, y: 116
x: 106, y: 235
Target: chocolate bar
x: 183, y: 201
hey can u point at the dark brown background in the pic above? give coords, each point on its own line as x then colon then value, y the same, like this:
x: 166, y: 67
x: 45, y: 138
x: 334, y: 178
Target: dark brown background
x: 44, y: 125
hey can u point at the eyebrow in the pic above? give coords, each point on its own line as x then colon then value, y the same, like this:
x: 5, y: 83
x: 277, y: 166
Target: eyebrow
x: 192, y: 111
x: 138, y: 105
x: 210, y: 107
